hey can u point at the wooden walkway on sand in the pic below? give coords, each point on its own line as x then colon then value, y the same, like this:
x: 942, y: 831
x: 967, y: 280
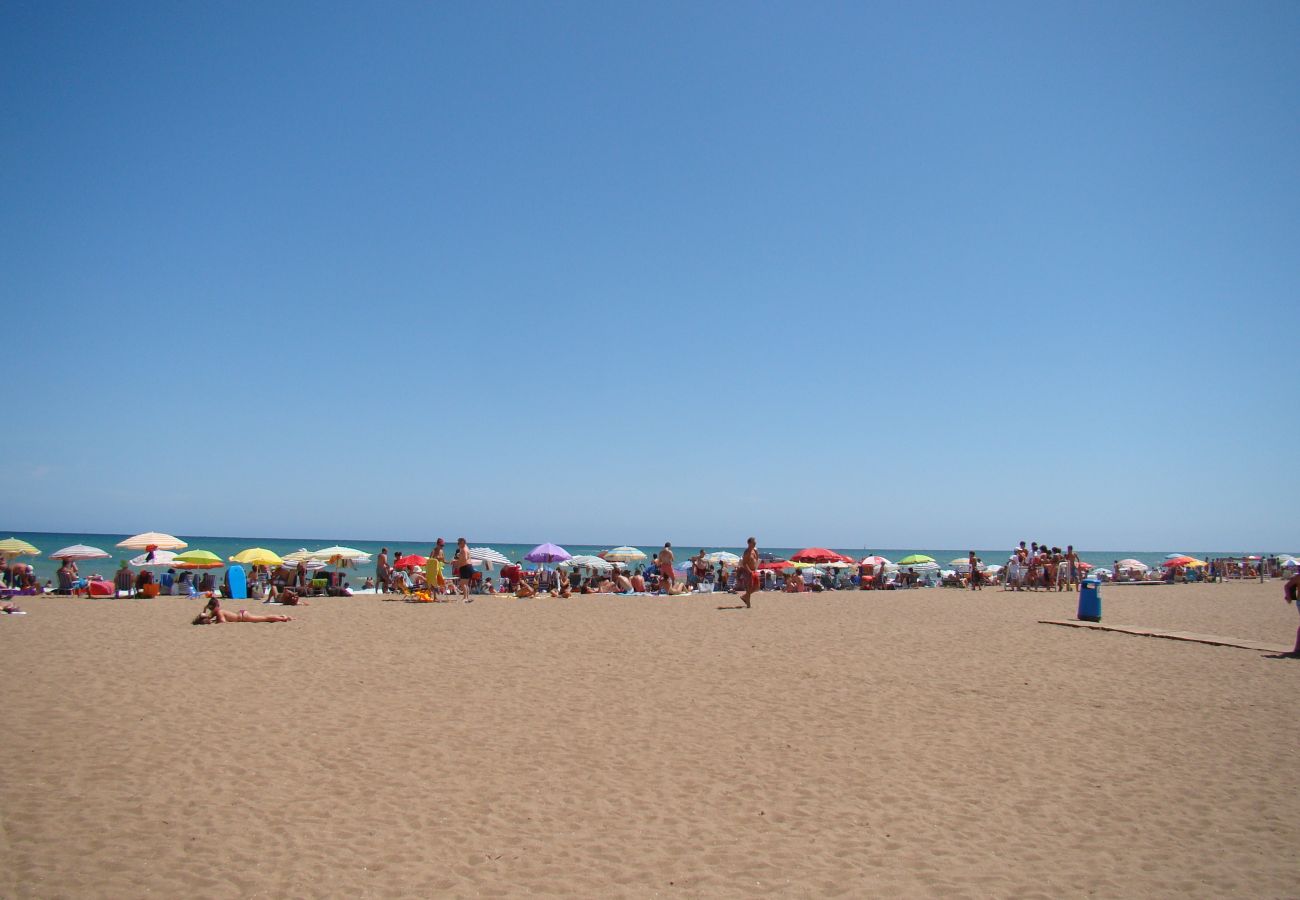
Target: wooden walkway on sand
x: 1212, y: 639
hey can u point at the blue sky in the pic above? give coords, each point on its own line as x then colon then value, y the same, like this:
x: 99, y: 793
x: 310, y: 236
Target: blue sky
x: 857, y: 274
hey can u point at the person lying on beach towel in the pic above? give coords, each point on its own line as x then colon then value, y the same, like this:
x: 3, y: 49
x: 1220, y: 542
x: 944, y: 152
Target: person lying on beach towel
x: 213, y: 614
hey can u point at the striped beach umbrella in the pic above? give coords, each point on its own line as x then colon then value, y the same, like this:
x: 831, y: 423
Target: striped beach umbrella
x: 591, y: 562
x: 488, y: 555
x: 153, y: 540
x: 624, y: 554
x: 14, y: 547
x: 78, y: 552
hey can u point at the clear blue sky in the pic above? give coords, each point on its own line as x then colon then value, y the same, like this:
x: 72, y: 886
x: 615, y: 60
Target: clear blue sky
x: 937, y: 274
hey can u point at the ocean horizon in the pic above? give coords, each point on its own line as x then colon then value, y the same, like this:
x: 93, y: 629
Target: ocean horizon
x: 226, y: 546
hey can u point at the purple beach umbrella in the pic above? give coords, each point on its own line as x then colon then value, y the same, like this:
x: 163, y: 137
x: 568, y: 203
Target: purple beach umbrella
x: 547, y: 553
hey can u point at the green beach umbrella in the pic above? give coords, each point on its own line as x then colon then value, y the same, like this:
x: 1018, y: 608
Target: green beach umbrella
x: 199, y: 559
x: 915, y: 559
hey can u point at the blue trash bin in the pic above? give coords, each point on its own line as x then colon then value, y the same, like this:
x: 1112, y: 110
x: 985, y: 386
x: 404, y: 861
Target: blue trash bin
x: 1090, y: 601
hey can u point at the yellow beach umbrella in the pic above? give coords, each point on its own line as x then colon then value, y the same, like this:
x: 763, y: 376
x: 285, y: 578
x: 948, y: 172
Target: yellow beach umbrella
x: 153, y: 540
x: 257, y: 556
x: 14, y: 547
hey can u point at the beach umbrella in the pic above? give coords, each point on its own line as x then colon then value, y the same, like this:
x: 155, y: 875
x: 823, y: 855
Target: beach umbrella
x: 875, y: 561
x: 776, y: 564
x: 1177, y: 556
x: 197, y: 559
x: 721, y: 556
x: 14, y: 547
x: 257, y: 556
x: 916, y: 559
x: 488, y: 555
x: 411, y: 561
x: 547, y: 553
x: 816, y: 555
x: 160, y: 558
x: 591, y: 562
x: 302, y: 554
x: 330, y: 554
x: 624, y: 554
x: 1132, y: 564
x: 153, y: 540
x: 78, y: 552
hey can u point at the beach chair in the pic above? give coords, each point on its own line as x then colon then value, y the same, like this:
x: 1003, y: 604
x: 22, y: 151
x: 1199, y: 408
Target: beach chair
x: 123, y: 582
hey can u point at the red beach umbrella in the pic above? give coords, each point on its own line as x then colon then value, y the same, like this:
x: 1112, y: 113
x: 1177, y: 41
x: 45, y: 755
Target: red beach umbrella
x: 775, y: 564
x: 818, y: 555
x: 411, y: 561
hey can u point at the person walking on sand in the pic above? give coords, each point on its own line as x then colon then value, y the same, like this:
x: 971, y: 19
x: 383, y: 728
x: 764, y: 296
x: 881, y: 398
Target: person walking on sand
x: 664, y: 561
x: 463, y: 569
x: 433, y: 577
x: 748, y: 574
x: 381, y: 571
x: 976, y: 582
x: 1291, y: 592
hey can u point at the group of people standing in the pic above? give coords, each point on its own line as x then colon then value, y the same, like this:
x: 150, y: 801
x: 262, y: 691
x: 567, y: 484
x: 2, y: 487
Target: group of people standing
x: 1038, y: 566
x: 387, y: 575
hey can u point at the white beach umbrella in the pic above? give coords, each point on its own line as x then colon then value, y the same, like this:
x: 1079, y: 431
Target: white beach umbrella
x: 488, y: 555
x: 337, y: 551
x: 591, y: 562
x: 78, y: 552
x: 156, y: 539
x: 302, y: 554
x: 160, y: 558
x: 1133, y: 564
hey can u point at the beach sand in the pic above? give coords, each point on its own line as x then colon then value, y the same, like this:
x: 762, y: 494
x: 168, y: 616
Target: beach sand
x: 921, y: 743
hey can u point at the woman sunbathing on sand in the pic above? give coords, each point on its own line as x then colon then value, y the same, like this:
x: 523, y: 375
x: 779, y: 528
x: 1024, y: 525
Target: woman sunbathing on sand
x: 213, y: 614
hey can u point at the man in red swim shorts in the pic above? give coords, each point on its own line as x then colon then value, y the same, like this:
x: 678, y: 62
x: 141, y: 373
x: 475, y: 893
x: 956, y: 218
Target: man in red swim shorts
x: 665, y: 563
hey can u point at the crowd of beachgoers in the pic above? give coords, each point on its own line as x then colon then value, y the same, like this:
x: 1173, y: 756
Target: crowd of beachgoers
x: 162, y: 569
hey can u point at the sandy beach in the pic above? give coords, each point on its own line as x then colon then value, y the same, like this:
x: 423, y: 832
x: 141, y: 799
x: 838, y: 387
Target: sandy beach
x: 922, y: 743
